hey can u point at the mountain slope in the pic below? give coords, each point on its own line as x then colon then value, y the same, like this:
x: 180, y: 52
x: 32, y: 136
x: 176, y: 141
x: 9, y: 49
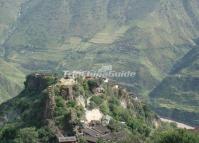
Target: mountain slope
x: 11, y: 80
x: 51, y: 111
x: 50, y: 32
x: 10, y: 11
x: 177, y: 96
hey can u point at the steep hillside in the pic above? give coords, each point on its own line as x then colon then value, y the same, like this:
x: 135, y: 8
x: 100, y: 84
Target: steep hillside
x: 189, y: 64
x: 11, y: 80
x: 83, y: 110
x: 59, y: 108
x: 10, y: 11
x: 177, y: 96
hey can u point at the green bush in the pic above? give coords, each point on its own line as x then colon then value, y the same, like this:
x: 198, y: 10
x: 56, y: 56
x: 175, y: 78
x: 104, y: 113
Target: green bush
x: 97, y: 100
x: 92, y: 84
x: 175, y: 136
x: 59, y: 101
x: 8, y: 133
x: 79, y: 90
x: 104, y: 108
x: 46, y: 135
x: 114, y: 101
x: 27, y: 135
x: 92, y: 105
x: 115, y: 126
x: 71, y: 103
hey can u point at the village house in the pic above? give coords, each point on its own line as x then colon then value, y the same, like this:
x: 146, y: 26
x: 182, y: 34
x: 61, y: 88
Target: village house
x: 67, y: 85
x: 95, y: 131
x: 71, y: 139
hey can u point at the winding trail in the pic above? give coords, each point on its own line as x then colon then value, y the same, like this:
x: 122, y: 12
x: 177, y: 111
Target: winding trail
x: 179, y: 125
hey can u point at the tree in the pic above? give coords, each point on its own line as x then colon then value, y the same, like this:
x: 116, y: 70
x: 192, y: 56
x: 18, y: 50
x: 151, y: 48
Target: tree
x: 104, y: 108
x: 27, y: 135
x: 97, y: 100
x: 175, y: 136
x: 8, y: 133
x: 46, y: 135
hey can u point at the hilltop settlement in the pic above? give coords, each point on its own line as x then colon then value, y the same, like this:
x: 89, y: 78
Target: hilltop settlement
x: 76, y: 109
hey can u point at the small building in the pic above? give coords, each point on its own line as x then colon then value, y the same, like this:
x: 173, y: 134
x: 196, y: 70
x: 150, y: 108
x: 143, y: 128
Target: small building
x: 94, y: 132
x: 101, y: 129
x: 67, y: 86
x: 71, y: 139
x: 90, y: 132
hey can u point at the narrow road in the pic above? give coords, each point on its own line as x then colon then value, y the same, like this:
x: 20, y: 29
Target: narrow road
x: 179, y: 125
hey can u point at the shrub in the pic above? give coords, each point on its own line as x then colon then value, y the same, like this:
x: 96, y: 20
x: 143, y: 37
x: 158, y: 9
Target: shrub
x: 8, y: 132
x: 71, y: 103
x: 46, y: 135
x: 59, y: 101
x: 27, y: 135
x: 97, y: 100
x: 104, y: 108
x: 175, y: 136
x: 92, y: 84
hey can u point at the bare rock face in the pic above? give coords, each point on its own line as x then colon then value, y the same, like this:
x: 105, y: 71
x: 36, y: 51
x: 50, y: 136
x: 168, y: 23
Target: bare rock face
x: 38, y: 82
x: 49, y: 107
x: 67, y: 92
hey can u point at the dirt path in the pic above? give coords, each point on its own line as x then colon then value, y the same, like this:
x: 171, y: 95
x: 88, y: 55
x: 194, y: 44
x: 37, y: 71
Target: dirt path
x: 179, y: 125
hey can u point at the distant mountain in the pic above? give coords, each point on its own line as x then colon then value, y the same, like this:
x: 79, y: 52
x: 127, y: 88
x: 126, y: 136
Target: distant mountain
x: 177, y: 96
x: 11, y: 80
x: 189, y: 64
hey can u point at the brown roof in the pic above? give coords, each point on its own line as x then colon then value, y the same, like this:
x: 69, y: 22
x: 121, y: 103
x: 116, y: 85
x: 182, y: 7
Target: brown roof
x: 90, y: 132
x: 67, y: 139
x: 101, y: 129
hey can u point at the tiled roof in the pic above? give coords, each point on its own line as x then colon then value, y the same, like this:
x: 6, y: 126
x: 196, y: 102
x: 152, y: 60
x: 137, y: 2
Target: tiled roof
x: 90, y: 132
x: 67, y: 139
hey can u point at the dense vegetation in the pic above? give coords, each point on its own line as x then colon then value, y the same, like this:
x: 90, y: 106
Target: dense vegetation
x: 175, y: 136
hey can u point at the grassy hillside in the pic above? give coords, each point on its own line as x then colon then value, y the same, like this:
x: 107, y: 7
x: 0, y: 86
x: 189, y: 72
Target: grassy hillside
x: 11, y: 81
x: 177, y: 96
x: 10, y: 11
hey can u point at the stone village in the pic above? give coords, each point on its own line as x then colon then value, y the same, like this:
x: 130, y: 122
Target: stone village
x: 93, y: 127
